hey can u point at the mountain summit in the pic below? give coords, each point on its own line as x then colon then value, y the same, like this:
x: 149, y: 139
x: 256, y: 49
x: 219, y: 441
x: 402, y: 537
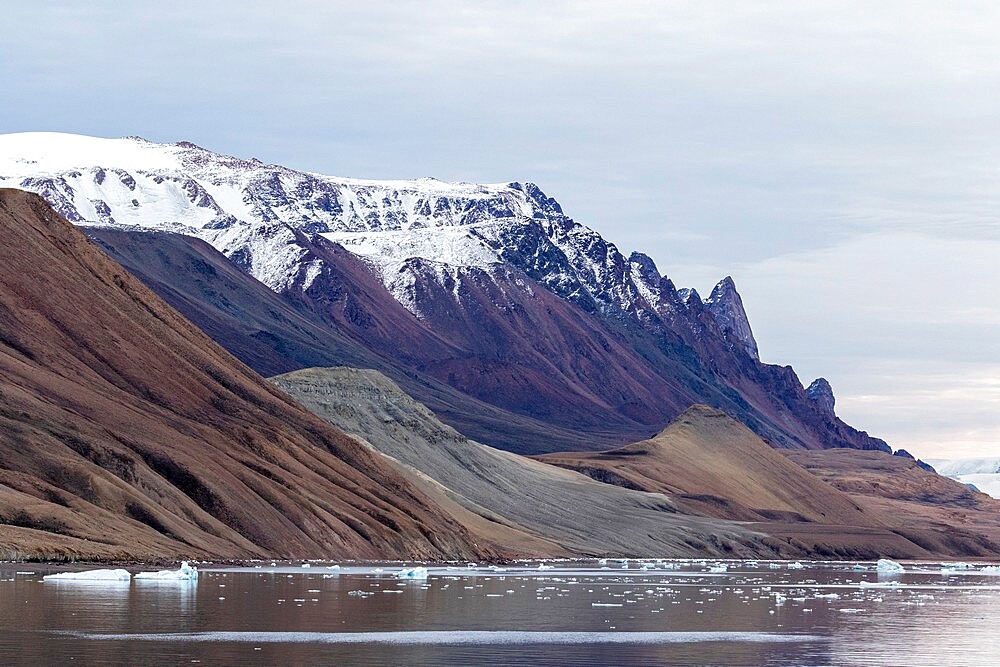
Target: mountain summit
x: 491, y: 289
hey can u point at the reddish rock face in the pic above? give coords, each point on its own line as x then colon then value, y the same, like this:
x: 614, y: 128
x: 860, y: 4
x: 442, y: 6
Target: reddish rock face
x: 125, y: 432
x: 567, y: 377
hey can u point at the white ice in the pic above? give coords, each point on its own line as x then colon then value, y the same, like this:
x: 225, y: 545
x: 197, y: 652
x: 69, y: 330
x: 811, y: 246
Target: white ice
x: 184, y: 573
x: 412, y: 573
x: 90, y: 575
x: 887, y: 566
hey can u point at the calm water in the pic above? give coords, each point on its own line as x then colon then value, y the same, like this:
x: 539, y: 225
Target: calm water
x: 575, y: 613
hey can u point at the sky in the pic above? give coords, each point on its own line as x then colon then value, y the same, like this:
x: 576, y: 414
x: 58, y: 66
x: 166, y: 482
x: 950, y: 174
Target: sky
x: 841, y: 160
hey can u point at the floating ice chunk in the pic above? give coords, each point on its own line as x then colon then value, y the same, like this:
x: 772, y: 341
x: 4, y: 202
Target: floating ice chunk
x: 795, y: 566
x: 887, y: 566
x: 184, y: 573
x: 306, y: 565
x: 879, y: 584
x: 543, y: 566
x: 718, y: 569
x: 859, y: 567
x: 412, y: 573
x: 90, y: 575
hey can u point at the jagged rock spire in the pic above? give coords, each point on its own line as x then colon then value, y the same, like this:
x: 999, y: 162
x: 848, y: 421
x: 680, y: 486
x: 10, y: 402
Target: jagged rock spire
x: 727, y: 307
x: 821, y: 393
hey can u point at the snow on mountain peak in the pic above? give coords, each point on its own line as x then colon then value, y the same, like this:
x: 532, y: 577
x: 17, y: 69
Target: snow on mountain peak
x: 239, y: 205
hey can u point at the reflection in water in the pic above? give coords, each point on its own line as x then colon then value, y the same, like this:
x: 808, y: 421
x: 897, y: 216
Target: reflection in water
x: 671, y: 612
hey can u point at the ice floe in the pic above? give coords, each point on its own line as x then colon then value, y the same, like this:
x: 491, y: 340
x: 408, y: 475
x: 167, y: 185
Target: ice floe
x: 90, y: 575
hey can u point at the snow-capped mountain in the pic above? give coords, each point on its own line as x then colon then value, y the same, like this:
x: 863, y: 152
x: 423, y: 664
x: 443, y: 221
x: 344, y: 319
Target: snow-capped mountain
x: 982, y: 472
x: 236, y: 204
x: 509, y: 299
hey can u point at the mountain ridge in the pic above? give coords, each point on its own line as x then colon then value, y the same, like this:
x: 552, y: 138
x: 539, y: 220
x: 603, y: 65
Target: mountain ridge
x: 474, y: 267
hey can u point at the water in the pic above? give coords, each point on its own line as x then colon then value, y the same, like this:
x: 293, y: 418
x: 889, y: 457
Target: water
x: 573, y: 614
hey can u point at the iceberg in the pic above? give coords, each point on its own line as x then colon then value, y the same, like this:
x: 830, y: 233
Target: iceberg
x: 886, y: 566
x: 90, y: 575
x: 412, y: 573
x: 184, y: 573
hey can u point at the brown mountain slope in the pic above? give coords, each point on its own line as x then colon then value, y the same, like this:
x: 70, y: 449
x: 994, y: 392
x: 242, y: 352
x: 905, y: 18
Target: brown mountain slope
x: 944, y: 515
x: 710, y: 464
x: 126, y: 432
x: 853, y: 504
x: 276, y: 333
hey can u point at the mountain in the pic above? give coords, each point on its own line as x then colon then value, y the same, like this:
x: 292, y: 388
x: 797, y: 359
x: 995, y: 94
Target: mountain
x: 983, y: 472
x: 276, y: 333
x: 490, y: 289
x: 675, y: 495
x: 125, y: 432
x: 833, y: 503
x: 713, y: 465
x: 518, y: 504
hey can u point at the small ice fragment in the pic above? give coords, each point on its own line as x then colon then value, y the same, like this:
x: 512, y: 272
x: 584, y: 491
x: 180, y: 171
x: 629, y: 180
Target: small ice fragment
x: 795, y: 566
x: 718, y: 568
x: 885, y: 565
x: 184, y: 573
x: 412, y: 573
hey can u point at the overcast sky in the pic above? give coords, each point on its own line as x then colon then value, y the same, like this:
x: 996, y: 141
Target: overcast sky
x: 840, y: 160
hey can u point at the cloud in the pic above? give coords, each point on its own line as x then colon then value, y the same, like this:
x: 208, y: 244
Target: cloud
x: 839, y: 152
x: 906, y: 326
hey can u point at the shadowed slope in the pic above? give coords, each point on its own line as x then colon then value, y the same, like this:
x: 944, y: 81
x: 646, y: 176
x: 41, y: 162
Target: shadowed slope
x: 126, y: 432
x: 275, y: 333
